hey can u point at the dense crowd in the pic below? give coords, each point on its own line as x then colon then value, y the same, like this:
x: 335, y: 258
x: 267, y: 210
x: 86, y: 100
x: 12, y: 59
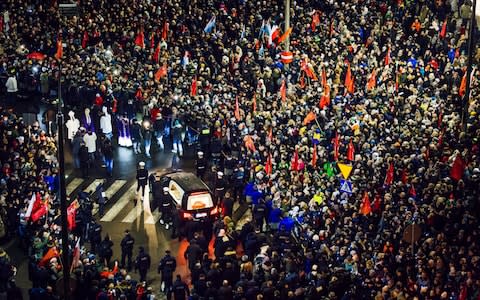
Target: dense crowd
x: 377, y: 84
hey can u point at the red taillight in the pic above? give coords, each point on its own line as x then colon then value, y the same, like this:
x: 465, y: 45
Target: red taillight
x: 187, y: 215
x: 214, y: 211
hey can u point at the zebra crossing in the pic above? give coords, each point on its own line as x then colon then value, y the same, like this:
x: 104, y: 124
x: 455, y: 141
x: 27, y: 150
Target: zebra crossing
x: 121, y: 194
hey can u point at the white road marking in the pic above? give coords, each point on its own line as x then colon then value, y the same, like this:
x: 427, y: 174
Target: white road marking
x: 112, y: 190
x: 73, y: 185
x: 126, y: 198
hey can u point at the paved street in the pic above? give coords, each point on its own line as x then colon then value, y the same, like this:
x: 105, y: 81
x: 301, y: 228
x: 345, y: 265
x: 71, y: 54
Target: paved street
x: 121, y: 213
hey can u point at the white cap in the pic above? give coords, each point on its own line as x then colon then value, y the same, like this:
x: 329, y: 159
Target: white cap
x: 220, y: 174
x: 141, y: 164
x: 165, y: 189
x: 200, y: 153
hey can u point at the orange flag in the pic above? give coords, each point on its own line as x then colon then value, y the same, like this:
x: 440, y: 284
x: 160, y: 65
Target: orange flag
x: 315, y: 20
x: 237, y: 109
x: 324, y: 78
x: 165, y: 28
x: 161, y: 72
x: 388, y: 57
x: 254, y: 103
x: 314, y: 156
x: 284, y: 36
x: 349, y: 85
x: 270, y: 134
x: 59, y: 53
x: 249, y: 144
x: 283, y: 91
x: 372, y: 81
x: 52, y: 252
x: 365, y: 208
x: 309, y: 118
x: 463, y: 86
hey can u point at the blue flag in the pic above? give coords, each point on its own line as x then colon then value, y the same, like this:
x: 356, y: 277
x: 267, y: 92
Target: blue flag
x: 210, y: 25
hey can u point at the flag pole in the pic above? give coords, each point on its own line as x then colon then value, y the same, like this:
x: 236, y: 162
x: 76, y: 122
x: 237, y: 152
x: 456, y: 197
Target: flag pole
x: 287, y: 24
x: 471, y: 46
x: 61, y: 189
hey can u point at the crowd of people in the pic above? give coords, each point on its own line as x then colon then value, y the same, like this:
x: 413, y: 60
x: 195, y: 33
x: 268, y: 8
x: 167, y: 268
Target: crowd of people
x: 378, y: 85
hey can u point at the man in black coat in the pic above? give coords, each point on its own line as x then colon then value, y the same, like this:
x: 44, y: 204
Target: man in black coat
x: 136, y: 133
x: 142, y: 263
x: 127, y: 248
x: 167, y: 267
x: 180, y: 289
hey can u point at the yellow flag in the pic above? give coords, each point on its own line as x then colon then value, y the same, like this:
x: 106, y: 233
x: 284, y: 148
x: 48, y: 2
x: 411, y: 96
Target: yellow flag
x: 345, y: 169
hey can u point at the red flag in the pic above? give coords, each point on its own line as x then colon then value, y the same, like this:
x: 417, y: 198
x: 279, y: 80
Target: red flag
x: 309, y: 118
x: 152, y: 40
x: 270, y: 134
x: 41, y: 211
x: 193, y: 87
x: 85, y: 39
x: 440, y: 139
x: 140, y: 40
x: 372, y: 81
x: 332, y: 29
x: 404, y: 176
x: 458, y: 168
x: 443, y: 32
x: 283, y: 91
x: 254, y: 103
x: 294, y: 164
x: 165, y: 28
x: 412, y: 191
x: 156, y: 54
x: 139, y: 94
x: 365, y: 208
x: 161, y: 72
x: 51, y: 253
x: 268, y: 165
x: 350, y: 151
x: 463, y: 85
x: 71, y: 214
x: 389, y: 176
x: 237, y: 109
x: 59, y: 53
x: 302, y: 81
x: 388, y: 57
x: 377, y: 205
x: 315, y: 20
x: 336, y: 142
x: 349, y: 84
x: 314, y: 156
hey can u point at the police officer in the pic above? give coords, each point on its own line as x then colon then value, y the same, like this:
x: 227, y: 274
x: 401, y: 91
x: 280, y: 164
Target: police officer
x: 100, y: 194
x: 95, y: 235
x: 142, y: 178
x: 179, y: 289
x: 127, y: 248
x: 167, y: 267
x: 157, y: 193
x: 201, y: 165
x: 166, y: 208
x: 142, y: 263
x: 260, y: 213
x: 220, y: 185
